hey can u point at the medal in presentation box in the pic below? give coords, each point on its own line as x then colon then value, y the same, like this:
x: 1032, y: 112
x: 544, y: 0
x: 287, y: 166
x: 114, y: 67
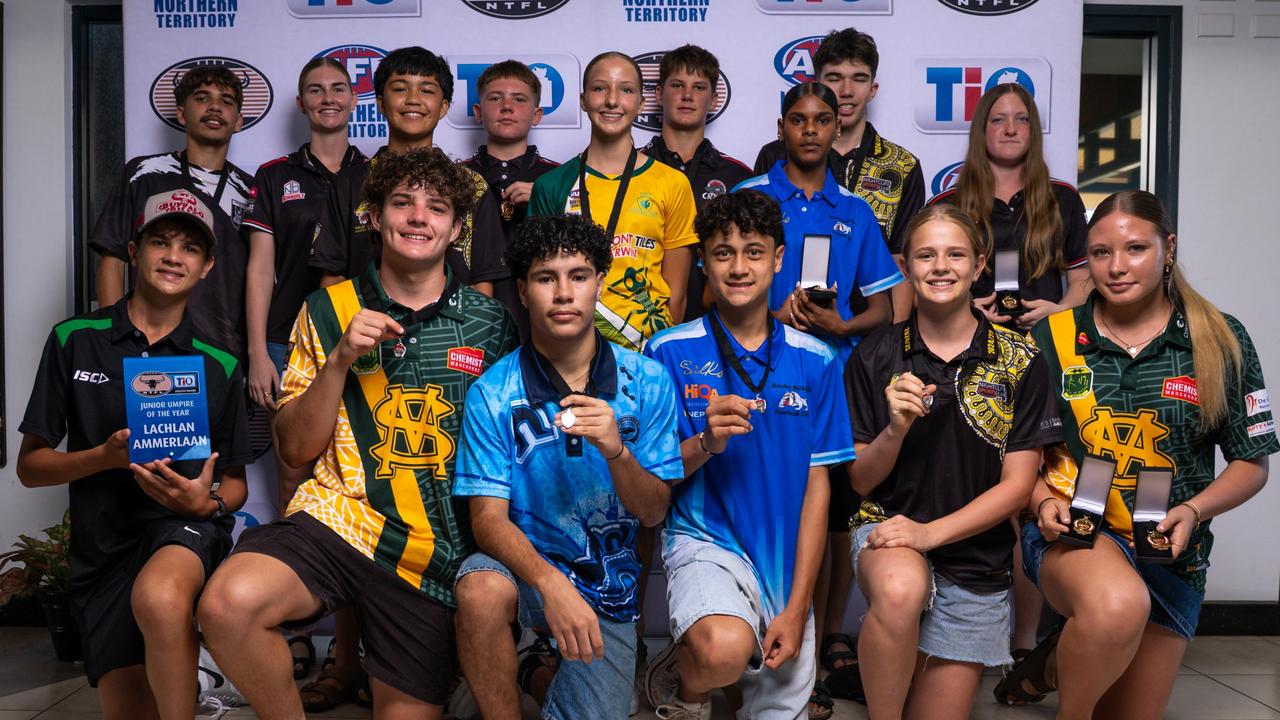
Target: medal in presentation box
x: 166, y: 408
x: 813, y: 269
x: 1089, y: 504
x: 1150, y: 505
x: 1008, y: 292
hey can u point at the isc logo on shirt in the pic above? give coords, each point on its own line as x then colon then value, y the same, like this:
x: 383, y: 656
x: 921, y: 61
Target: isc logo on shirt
x: 94, y: 378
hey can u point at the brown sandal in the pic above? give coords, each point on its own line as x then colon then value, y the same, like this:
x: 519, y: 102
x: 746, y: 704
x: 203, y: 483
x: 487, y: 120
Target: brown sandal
x: 330, y: 689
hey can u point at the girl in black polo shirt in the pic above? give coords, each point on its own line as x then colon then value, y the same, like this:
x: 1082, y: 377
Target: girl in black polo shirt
x: 1005, y: 187
x: 950, y: 413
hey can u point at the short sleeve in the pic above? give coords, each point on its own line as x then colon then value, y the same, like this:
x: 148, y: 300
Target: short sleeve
x: 866, y: 412
x: 1075, y: 230
x: 1250, y: 430
x: 306, y: 357
x: 910, y: 203
x: 657, y: 446
x: 114, y: 228
x: 47, y: 410
x: 262, y: 212
x: 677, y: 224
x: 484, y: 460
x: 832, y: 441
x: 330, y: 246
x: 1036, y: 418
x: 542, y: 201
x: 877, y: 271
x: 488, y: 241
x: 231, y: 431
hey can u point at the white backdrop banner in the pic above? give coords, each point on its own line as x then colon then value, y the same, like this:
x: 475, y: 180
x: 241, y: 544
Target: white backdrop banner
x: 937, y: 58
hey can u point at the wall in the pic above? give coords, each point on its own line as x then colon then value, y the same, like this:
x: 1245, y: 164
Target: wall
x: 37, y: 227
x: 1229, y: 240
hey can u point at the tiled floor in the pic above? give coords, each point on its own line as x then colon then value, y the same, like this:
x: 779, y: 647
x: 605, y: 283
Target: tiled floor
x: 1223, y: 678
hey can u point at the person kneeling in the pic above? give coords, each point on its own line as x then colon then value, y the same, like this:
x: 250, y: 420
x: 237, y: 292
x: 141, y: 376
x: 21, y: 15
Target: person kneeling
x: 745, y: 537
x: 952, y: 413
x: 568, y: 446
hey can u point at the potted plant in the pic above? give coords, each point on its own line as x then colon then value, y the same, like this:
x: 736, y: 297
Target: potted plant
x: 45, y: 573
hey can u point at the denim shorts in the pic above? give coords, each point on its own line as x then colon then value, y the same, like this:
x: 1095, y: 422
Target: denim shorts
x: 958, y: 624
x: 705, y: 579
x: 1175, y: 605
x: 279, y: 354
x: 601, y: 688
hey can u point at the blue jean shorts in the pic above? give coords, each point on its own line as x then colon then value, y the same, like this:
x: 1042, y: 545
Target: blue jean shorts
x: 279, y: 355
x: 958, y: 624
x: 1175, y: 605
x: 601, y: 688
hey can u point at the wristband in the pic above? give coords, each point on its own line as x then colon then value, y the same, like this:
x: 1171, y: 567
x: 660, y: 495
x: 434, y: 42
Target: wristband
x: 1041, y: 505
x: 615, y: 457
x: 1194, y: 509
x: 221, y: 510
x: 702, y: 443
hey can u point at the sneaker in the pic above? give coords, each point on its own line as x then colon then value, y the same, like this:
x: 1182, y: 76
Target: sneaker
x: 662, y: 679
x: 680, y: 710
x: 211, y: 708
x: 212, y: 684
x: 536, y: 654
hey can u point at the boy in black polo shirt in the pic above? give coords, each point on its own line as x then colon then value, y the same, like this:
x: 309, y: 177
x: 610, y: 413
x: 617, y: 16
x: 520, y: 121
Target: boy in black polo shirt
x: 144, y: 537
x: 510, y: 105
x: 414, y: 89
x: 209, y: 99
x: 687, y: 78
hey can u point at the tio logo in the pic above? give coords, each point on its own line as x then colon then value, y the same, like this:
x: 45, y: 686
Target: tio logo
x: 948, y: 91
x: 354, y: 8
x: 557, y: 75
x: 794, y: 61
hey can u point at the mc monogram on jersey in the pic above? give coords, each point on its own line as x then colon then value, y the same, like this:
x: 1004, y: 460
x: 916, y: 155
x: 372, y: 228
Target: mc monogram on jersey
x: 408, y: 421
x: 1133, y: 439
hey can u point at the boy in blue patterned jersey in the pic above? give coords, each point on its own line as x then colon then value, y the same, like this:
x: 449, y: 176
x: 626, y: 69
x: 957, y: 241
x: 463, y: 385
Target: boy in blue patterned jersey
x: 762, y: 421
x: 568, y: 448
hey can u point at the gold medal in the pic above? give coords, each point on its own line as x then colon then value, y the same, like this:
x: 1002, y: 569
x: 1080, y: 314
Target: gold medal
x: 760, y: 404
x: 1010, y: 302
x: 508, y: 209
x: 1158, y: 540
x: 1082, y: 526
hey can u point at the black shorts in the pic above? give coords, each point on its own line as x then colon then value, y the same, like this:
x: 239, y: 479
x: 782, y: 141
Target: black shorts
x: 408, y: 637
x: 844, y: 501
x: 103, y: 609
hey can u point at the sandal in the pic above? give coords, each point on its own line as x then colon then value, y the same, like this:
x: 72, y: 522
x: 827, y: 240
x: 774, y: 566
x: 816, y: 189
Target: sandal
x: 330, y: 689
x: 302, y: 664
x: 821, y: 706
x: 843, y: 680
x: 1029, y: 670
x: 361, y: 692
x: 533, y: 657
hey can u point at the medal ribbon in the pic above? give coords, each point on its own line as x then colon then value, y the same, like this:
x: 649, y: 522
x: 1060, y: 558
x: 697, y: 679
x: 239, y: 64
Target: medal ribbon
x: 584, y: 201
x: 731, y: 359
x: 186, y: 174
x: 572, y: 443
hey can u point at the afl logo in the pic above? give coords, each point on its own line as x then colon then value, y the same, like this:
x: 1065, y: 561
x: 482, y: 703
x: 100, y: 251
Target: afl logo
x: 256, y: 89
x: 946, y: 178
x: 650, y: 117
x: 794, y: 62
x: 152, y: 384
x: 988, y: 7
x: 361, y: 62
x: 515, y: 9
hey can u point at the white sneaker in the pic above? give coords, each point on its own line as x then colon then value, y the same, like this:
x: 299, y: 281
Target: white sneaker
x: 662, y: 679
x: 680, y: 710
x: 211, y: 684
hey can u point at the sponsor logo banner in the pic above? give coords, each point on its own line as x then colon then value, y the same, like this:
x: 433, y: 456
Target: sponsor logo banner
x: 666, y: 11
x: 557, y: 72
x: 515, y: 9
x: 794, y: 61
x: 947, y: 90
x: 174, y: 14
x: 988, y: 7
x: 361, y: 62
x: 825, y: 7
x: 255, y: 86
x: 354, y: 8
x: 946, y: 178
x: 650, y: 117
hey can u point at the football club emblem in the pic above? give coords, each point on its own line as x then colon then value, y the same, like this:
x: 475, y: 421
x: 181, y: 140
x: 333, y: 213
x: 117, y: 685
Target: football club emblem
x: 292, y: 191
x: 1077, y: 382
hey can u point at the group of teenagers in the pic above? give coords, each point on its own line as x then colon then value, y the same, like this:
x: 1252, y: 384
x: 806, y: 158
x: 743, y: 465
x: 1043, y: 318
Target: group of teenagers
x: 490, y: 381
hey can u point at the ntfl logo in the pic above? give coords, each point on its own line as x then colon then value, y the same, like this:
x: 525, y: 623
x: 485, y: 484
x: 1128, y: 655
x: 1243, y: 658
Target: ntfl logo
x: 794, y: 61
x: 948, y: 90
x: 650, y: 117
x: 254, y: 85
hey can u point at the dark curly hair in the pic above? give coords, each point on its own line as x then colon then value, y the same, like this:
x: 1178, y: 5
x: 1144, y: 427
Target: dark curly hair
x: 217, y: 75
x: 414, y: 60
x: 542, y: 238
x: 751, y: 211
x: 427, y: 168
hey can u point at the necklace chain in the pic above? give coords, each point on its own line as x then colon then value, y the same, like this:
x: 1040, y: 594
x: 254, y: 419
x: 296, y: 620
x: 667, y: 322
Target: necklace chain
x: 1131, y: 348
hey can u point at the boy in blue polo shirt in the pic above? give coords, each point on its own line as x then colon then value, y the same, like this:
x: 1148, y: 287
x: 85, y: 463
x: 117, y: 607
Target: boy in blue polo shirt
x: 568, y: 447
x: 759, y: 428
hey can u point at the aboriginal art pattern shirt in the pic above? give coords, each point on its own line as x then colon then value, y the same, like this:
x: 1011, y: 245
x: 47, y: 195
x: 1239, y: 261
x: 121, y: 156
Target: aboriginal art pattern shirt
x: 383, y: 482
x: 559, y: 487
x: 656, y: 218
x: 1144, y: 412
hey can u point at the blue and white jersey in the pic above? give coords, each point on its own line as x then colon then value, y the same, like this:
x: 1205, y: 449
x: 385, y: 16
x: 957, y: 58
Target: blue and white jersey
x: 748, y: 499
x: 564, y: 502
x: 858, y: 259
